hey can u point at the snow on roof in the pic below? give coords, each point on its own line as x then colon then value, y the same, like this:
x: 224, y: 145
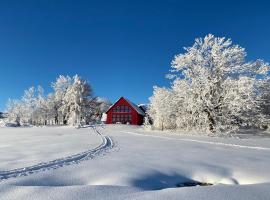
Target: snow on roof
x: 144, y: 106
x: 135, y: 107
x: 3, y: 115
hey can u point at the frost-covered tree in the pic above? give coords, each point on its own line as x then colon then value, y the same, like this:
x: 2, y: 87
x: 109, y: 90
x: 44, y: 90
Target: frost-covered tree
x: 52, y: 109
x: 15, y: 111
x: 28, y: 105
x: 72, y: 102
x: 77, y: 100
x: 42, y: 111
x: 60, y: 87
x: 264, y: 99
x: 22, y: 111
x: 213, y: 87
x: 99, y: 106
x: 162, y: 108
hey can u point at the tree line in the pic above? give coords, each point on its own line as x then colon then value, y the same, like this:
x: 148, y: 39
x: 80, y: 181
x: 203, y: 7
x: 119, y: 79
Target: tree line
x: 72, y: 102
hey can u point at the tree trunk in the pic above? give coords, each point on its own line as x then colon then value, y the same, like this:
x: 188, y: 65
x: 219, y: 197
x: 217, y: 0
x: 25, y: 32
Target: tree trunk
x: 211, y: 121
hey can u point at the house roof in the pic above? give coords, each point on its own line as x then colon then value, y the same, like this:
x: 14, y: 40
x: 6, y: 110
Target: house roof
x: 143, y: 106
x: 133, y: 105
x: 136, y: 107
x: 3, y: 115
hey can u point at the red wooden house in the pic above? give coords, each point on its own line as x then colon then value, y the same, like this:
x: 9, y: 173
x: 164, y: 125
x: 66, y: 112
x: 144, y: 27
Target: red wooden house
x: 125, y: 112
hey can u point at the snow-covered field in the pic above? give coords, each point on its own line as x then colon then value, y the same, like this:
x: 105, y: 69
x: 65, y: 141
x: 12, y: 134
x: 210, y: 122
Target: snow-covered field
x: 22, y: 147
x: 137, y: 165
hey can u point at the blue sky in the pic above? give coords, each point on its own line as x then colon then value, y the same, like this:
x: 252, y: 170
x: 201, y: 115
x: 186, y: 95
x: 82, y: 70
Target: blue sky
x: 122, y: 48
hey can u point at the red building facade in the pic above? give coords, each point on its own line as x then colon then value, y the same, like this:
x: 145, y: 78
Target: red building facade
x: 125, y: 112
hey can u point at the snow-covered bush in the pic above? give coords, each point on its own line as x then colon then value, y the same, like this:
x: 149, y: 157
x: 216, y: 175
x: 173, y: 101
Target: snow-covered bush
x: 213, y: 89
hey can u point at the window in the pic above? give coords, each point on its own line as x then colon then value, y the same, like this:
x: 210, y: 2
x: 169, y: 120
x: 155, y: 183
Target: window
x: 113, y: 118
x: 127, y: 109
x: 123, y: 118
x: 122, y: 109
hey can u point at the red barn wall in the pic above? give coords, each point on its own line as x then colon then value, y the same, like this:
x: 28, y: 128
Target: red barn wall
x: 136, y: 119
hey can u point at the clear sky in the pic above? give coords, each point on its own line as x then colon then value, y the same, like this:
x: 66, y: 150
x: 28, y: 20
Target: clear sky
x: 122, y: 48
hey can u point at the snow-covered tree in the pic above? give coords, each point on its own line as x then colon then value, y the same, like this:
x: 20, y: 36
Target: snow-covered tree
x: 77, y: 100
x: 99, y: 107
x: 52, y: 109
x: 60, y: 87
x: 264, y: 99
x: 42, y: 110
x: 72, y: 102
x: 15, y: 111
x: 162, y: 108
x: 28, y: 105
x: 213, y: 87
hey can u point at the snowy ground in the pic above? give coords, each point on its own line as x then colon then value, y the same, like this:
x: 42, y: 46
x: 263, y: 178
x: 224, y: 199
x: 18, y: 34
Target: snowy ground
x: 141, y: 165
x: 22, y: 147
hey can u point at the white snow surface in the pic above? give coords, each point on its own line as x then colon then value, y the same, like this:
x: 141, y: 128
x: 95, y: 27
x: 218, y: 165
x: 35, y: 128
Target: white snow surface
x: 139, y: 165
x: 22, y: 147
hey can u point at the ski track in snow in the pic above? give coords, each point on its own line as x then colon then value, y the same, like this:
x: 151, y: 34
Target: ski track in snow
x: 201, y: 141
x: 107, y: 143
